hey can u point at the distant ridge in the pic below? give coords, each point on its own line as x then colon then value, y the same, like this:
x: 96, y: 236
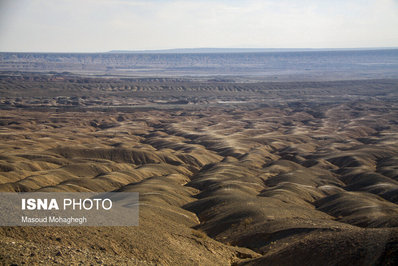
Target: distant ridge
x: 240, y: 50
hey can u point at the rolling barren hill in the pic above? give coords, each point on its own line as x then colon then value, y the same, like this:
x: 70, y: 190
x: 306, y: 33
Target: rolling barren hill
x: 296, y: 173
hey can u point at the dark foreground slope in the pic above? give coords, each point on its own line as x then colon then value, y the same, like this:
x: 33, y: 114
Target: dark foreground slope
x: 298, y: 173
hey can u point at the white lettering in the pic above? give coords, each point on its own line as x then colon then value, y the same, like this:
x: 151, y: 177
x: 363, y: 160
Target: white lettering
x: 67, y: 202
x: 91, y: 204
x: 39, y: 204
x: 23, y: 204
x: 87, y: 204
x: 109, y: 206
x: 31, y: 204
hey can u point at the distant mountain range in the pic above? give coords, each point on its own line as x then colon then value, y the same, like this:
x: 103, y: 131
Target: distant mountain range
x: 240, y: 50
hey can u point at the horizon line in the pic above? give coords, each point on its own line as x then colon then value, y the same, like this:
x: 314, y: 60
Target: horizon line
x: 209, y: 50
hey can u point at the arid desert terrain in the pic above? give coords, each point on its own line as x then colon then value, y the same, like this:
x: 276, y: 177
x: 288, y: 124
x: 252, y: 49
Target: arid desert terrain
x: 228, y: 172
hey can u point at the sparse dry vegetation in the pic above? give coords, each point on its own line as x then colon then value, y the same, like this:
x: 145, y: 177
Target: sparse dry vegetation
x: 198, y: 233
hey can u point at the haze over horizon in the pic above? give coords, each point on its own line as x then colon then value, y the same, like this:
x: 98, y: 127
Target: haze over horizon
x: 105, y: 25
x: 208, y: 50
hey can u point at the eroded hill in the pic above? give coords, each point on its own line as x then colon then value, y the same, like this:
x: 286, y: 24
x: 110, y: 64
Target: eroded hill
x: 308, y: 176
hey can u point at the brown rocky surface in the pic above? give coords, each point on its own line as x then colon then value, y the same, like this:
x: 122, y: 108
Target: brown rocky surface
x: 275, y: 181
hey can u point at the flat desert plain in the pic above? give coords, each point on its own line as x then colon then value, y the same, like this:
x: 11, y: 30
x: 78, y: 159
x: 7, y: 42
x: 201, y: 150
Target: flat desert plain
x: 288, y: 173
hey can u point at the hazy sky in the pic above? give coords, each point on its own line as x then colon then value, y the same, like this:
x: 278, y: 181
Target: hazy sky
x: 103, y: 25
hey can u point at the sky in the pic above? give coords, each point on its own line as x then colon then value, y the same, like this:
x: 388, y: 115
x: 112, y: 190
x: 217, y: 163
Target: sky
x: 104, y: 25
